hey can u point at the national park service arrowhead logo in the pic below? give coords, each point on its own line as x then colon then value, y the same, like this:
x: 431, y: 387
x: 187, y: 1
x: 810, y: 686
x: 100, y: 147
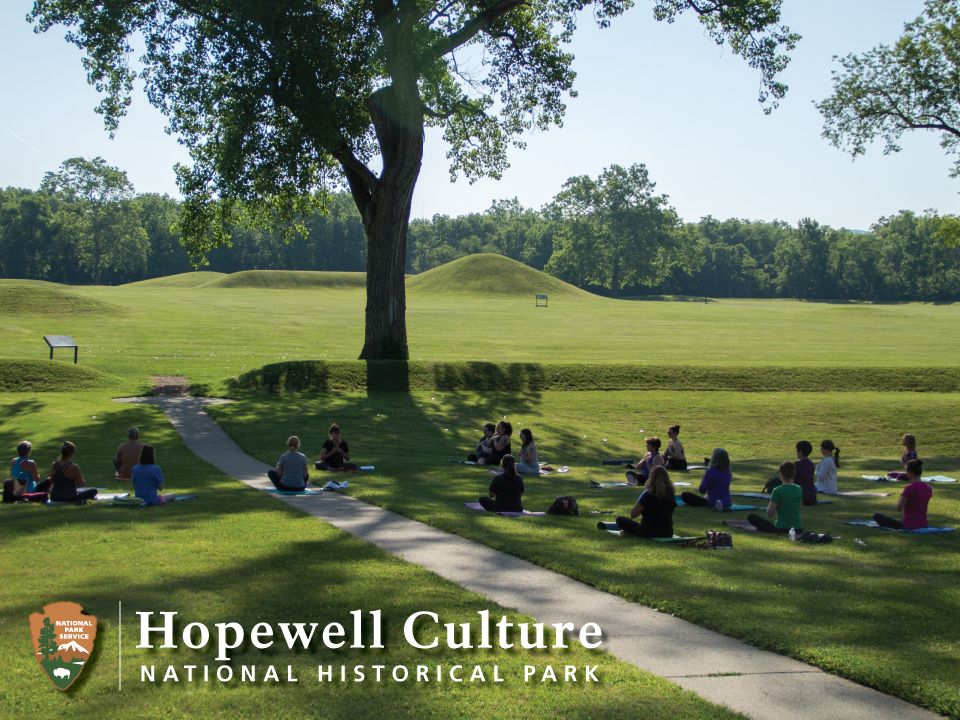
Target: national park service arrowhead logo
x: 62, y: 641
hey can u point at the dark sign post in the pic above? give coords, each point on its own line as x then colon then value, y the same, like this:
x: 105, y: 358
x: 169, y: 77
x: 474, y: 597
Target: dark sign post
x: 61, y: 341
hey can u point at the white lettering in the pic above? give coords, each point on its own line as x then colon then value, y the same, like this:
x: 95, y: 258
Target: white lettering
x: 188, y: 633
x: 257, y: 633
x: 333, y: 630
x: 560, y: 636
x: 408, y: 630
x: 146, y: 674
x: 145, y: 630
x: 222, y: 635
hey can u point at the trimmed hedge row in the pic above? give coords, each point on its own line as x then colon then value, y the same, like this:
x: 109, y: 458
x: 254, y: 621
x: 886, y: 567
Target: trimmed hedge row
x: 395, y: 375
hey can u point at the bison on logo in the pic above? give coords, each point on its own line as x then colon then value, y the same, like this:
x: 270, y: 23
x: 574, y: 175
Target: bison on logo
x: 63, y: 641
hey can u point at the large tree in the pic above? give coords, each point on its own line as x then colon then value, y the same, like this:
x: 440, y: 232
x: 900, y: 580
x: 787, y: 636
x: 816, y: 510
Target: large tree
x: 278, y: 100
x: 617, y: 231
x: 99, y: 212
x: 914, y: 85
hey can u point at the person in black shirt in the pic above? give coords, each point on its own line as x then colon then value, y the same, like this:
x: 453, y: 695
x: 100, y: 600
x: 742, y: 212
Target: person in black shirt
x: 506, y: 489
x: 499, y: 445
x: 655, y: 508
x: 334, y: 452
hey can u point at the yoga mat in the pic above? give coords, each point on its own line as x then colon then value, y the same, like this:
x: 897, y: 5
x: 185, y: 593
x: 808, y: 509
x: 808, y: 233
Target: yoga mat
x: 878, y: 478
x: 732, y: 508
x: 698, y: 467
x: 334, y: 469
x: 682, y: 484
x: 614, y: 530
x: 478, y: 506
x: 622, y: 483
x: 137, y: 502
x: 742, y: 524
x: 498, y: 471
x: 308, y: 491
x: 863, y: 494
x: 939, y: 478
x: 462, y: 462
x: 617, y: 462
x: 111, y: 496
x: 332, y: 485
x: 762, y: 496
x: 920, y: 531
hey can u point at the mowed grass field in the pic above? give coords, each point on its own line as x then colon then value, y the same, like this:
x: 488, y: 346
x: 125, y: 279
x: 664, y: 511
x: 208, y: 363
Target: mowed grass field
x: 884, y: 614
x: 227, y: 325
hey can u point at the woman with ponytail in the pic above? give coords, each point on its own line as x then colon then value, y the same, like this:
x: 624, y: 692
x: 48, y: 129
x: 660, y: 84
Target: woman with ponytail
x: 506, y: 489
x: 912, y: 503
x: 827, y: 468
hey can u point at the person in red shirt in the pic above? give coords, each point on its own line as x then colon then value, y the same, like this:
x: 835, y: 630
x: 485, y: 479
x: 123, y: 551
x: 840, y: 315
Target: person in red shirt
x: 912, y: 503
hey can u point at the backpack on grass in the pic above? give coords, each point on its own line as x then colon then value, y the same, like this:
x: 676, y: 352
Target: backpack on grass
x: 712, y: 541
x: 564, y: 505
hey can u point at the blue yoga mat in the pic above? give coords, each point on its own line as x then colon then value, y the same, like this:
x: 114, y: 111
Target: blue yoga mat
x: 920, y: 531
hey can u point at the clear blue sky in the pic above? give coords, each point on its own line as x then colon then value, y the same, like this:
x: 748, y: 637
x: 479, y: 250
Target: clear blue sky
x: 650, y: 93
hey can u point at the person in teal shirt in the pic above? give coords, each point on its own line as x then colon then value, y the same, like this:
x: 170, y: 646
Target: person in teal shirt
x: 785, y: 502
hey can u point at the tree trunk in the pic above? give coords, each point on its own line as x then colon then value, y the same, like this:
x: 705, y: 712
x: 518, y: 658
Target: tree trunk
x: 398, y: 120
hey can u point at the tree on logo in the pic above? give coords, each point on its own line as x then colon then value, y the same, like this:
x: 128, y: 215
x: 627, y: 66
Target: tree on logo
x: 47, y: 642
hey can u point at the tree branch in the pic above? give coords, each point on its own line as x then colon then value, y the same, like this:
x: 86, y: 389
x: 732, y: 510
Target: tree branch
x: 476, y: 25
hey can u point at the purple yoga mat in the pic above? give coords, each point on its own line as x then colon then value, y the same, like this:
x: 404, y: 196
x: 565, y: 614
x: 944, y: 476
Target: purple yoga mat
x: 740, y: 524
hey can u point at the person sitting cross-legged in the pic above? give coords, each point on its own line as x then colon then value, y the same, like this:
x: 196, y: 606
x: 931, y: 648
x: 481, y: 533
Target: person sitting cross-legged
x: 66, y: 478
x: 24, y: 477
x: 654, y: 507
x: 506, y: 489
x: 912, y: 503
x: 291, y: 473
x: 785, y: 502
x: 148, y: 479
x: 128, y: 455
x: 715, y: 484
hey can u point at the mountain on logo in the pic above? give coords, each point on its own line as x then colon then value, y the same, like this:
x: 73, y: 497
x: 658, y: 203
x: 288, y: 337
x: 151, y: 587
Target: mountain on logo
x: 73, y: 646
x: 62, y: 630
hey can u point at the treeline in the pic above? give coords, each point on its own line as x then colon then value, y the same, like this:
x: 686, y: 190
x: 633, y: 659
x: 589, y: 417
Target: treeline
x: 612, y: 235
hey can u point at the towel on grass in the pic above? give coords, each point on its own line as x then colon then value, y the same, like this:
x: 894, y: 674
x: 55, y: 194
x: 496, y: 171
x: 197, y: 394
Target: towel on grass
x: 333, y: 485
x: 742, y: 524
x: 878, y: 478
x: 918, y: 531
x: 481, y: 508
x: 863, y: 494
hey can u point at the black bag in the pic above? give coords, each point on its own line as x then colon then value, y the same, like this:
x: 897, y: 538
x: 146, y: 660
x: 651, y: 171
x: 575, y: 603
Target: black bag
x: 772, y: 483
x: 564, y: 505
x: 712, y: 541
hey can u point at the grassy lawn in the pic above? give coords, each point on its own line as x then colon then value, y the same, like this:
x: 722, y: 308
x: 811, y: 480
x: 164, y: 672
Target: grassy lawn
x: 886, y: 614
x: 236, y: 555
x: 231, y: 324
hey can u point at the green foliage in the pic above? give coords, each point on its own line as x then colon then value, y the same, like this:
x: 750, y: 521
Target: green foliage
x: 910, y: 86
x: 615, y: 230
x: 392, y: 376
x: 98, y: 217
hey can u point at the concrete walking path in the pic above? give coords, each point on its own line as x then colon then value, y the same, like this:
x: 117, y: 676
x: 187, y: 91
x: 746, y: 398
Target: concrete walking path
x: 760, y: 684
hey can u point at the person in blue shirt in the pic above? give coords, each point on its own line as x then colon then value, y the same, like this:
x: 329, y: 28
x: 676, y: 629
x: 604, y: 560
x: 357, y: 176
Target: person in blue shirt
x: 24, y: 475
x: 148, y: 479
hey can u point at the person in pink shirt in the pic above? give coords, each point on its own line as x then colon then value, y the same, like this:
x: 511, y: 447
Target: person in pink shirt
x: 909, y: 453
x: 912, y: 503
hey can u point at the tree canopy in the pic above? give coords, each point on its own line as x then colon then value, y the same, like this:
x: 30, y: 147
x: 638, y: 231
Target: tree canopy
x: 280, y: 101
x: 914, y: 85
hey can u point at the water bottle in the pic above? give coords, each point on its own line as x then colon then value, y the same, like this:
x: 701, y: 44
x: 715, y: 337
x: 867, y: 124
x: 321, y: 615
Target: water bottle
x: 792, y: 534
x: 719, y: 506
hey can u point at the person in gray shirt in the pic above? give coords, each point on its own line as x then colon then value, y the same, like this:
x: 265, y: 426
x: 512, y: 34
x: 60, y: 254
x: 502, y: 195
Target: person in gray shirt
x: 291, y: 474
